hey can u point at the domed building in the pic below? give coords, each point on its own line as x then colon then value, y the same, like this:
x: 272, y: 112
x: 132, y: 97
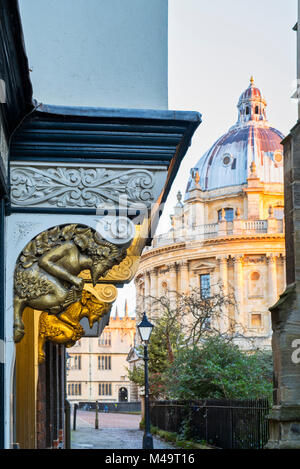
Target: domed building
x: 229, y: 227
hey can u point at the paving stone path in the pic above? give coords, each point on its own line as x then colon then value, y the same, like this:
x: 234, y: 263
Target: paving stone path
x: 116, y: 431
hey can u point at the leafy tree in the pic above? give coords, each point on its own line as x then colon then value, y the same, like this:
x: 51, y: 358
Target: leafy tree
x: 219, y: 369
x: 189, y: 358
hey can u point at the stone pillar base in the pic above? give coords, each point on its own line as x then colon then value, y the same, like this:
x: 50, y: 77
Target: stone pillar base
x: 284, y: 428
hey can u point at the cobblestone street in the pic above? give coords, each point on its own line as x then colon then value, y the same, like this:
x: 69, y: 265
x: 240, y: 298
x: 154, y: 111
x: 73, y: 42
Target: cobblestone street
x: 116, y: 431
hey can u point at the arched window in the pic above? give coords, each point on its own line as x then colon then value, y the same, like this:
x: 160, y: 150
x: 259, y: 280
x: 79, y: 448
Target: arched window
x: 123, y: 395
x: 229, y: 214
x: 279, y: 213
x: 247, y: 111
x: 256, y: 110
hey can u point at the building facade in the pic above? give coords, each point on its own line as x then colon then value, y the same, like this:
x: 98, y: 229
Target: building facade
x: 59, y: 164
x: 229, y: 228
x: 97, y: 367
x: 285, y: 415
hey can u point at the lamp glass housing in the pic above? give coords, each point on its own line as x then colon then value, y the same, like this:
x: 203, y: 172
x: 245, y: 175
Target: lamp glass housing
x: 145, y: 329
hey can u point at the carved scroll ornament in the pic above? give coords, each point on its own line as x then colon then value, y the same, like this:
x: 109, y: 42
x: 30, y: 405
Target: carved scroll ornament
x: 83, y: 187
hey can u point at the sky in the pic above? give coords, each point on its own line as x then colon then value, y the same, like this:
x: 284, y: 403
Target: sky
x: 214, y: 48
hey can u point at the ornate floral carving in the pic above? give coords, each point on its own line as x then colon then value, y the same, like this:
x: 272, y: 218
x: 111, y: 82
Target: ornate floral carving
x: 83, y: 187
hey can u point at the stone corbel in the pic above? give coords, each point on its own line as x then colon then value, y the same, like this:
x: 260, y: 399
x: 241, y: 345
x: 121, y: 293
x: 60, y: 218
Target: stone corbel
x: 47, y: 277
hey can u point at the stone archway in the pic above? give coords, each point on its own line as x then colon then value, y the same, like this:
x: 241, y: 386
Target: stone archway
x: 50, y: 299
x: 123, y: 394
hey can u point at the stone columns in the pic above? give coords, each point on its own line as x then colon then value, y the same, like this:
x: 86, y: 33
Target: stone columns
x: 223, y: 269
x: 147, y: 301
x: 183, y: 267
x: 153, y: 290
x: 239, y: 290
x: 173, y: 283
x: 284, y: 269
x: 139, y: 285
x: 153, y: 282
x: 272, y: 279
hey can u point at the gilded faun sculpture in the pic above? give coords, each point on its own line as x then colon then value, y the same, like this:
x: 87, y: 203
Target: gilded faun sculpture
x: 67, y: 328
x: 46, y: 274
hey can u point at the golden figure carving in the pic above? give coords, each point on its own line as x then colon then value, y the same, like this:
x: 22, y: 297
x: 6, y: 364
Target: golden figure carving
x: 65, y: 328
x: 127, y: 268
x: 46, y: 274
x: 105, y: 292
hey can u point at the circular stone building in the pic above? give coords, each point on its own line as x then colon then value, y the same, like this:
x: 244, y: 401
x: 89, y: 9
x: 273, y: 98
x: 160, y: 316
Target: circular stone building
x: 229, y: 228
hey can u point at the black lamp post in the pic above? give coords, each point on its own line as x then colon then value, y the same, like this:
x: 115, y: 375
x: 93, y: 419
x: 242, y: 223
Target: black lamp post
x: 145, y: 330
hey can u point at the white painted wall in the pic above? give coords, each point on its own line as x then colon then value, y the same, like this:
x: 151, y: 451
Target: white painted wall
x: 103, y: 53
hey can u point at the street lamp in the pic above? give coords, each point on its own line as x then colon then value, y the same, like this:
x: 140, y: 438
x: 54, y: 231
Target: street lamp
x: 145, y: 329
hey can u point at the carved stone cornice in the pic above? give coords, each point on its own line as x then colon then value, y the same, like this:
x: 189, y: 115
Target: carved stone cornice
x: 238, y: 258
x: 173, y: 267
x: 73, y: 187
x: 183, y: 264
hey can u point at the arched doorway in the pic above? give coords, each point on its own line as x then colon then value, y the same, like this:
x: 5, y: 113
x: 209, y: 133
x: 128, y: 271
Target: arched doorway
x: 123, y: 395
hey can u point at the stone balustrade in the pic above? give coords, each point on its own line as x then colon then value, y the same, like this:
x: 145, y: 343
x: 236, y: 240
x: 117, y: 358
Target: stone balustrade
x: 237, y: 227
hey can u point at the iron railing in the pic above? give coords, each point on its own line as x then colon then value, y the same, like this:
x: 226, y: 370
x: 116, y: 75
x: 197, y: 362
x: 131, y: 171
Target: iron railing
x: 224, y: 423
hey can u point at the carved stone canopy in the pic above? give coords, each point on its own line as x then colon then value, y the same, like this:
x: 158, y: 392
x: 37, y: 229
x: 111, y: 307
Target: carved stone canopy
x: 203, y: 266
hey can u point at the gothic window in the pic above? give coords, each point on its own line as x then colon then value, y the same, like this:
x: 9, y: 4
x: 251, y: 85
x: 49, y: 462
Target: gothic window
x: 74, y: 389
x: 205, y: 285
x: 105, y: 339
x: 256, y: 110
x: 104, y: 362
x: 77, y: 362
x: 247, y: 111
x: 105, y: 389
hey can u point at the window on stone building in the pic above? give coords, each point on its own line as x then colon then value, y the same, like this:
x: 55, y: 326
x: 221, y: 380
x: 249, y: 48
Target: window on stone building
x: 247, y: 111
x: 105, y: 389
x: 74, y: 389
x: 77, y: 362
x: 256, y: 110
x: 205, y: 285
x: 229, y: 214
x: 105, y: 339
x: 256, y: 320
x: 279, y: 213
x: 104, y: 362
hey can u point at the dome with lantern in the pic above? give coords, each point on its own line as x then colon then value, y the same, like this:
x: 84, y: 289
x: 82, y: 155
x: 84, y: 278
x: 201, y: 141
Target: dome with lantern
x: 250, y: 140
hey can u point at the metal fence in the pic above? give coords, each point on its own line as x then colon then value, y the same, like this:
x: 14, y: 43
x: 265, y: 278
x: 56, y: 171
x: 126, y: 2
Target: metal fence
x: 226, y: 424
x: 111, y: 406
